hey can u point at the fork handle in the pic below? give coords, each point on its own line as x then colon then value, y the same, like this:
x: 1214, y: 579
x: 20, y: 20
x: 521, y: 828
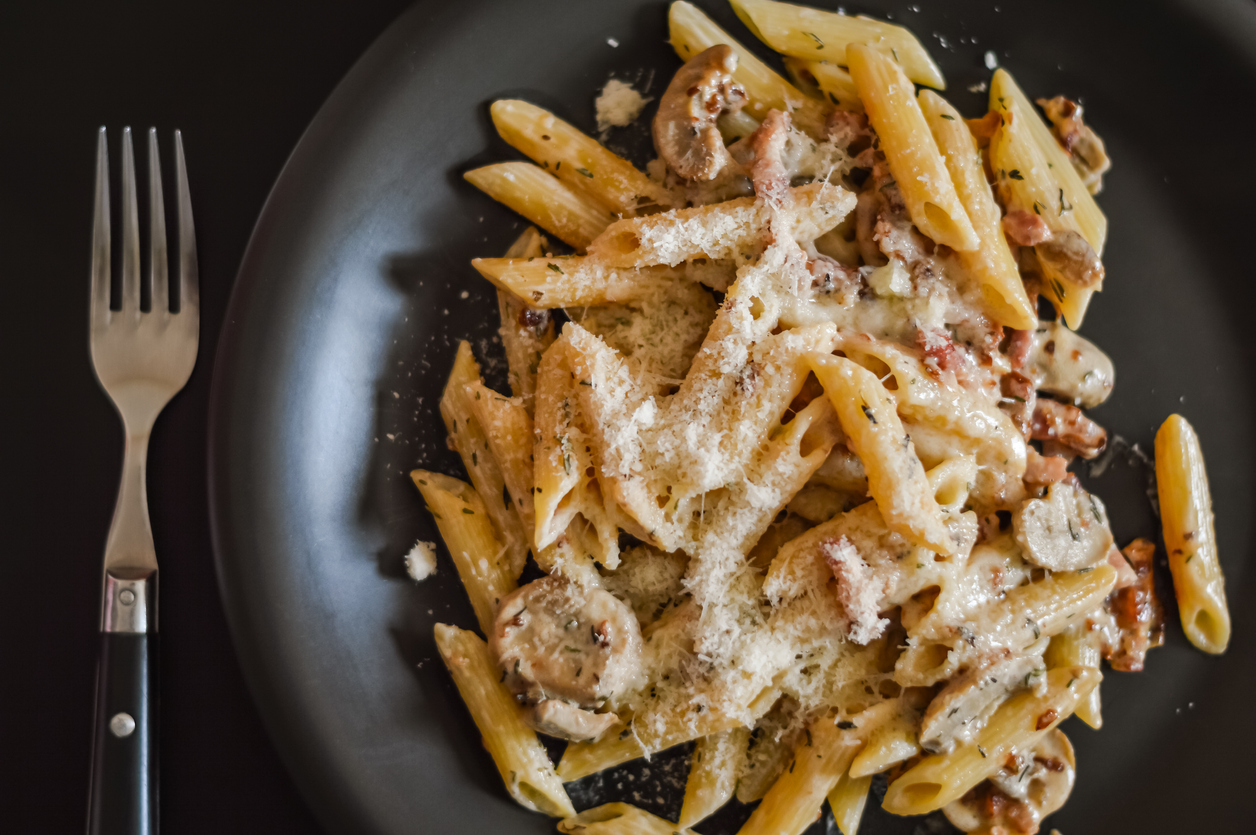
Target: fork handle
x: 123, y: 798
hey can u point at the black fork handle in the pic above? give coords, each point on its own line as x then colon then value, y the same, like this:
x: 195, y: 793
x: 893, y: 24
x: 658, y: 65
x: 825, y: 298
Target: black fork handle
x: 123, y: 798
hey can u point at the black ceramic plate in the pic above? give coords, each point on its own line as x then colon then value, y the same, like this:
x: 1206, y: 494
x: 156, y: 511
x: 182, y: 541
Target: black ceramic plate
x: 356, y: 287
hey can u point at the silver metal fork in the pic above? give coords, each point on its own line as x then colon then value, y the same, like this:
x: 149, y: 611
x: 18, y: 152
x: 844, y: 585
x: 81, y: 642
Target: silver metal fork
x: 141, y: 360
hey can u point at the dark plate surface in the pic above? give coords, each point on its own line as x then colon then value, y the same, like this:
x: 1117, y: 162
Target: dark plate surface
x: 356, y: 286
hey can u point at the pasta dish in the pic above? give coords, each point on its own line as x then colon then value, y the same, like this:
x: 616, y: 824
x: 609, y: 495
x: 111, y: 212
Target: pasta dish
x: 784, y: 470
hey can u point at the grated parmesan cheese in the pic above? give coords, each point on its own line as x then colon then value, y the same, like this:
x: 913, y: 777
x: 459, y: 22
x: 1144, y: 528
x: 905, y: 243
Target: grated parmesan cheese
x: 619, y: 105
x: 421, y: 561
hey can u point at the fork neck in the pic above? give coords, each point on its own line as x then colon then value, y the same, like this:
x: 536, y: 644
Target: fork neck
x: 129, y: 600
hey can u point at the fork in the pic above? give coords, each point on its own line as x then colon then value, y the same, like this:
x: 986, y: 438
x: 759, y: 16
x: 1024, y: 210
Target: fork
x: 141, y: 360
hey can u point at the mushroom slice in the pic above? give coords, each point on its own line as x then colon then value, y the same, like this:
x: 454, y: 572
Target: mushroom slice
x: 1029, y: 786
x: 566, y: 721
x: 556, y: 640
x: 1067, y: 530
x: 962, y: 707
x: 1069, y: 366
x: 685, y: 132
x: 1069, y: 257
x: 1066, y: 426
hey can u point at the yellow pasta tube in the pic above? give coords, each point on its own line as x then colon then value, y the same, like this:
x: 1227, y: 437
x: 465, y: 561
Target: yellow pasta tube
x: 1079, y: 646
x: 1018, y: 724
x: 575, y: 281
x: 521, y: 760
x: 896, y: 479
x: 721, y: 231
x: 525, y: 334
x: 572, y: 216
x: 825, y: 80
x: 796, y: 798
x: 890, y: 744
x: 847, y: 801
x: 508, y: 430
x: 713, y: 774
x: 1090, y: 219
x: 468, y: 439
x: 820, y: 35
x: 1048, y: 606
x: 890, y: 102
x: 619, y: 745
x: 577, y: 159
x: 477, y: 553
x: 693, y: 32
x: 1189, y: 535
x: 992, y: 263
x: 618, y: 819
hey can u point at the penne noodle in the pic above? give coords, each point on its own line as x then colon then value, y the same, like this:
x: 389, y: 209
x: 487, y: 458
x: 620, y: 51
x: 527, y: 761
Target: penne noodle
x: 618, y: 819
x: 578, y: 160
x: 692, y: 32
x: 716, y: 761
x: 821, y: 35
x: 477, y: 553
x: 525, y: 333
x: 467, y: 436
x: 1190, y: 537
x: 825, y: 80
x: 847, y: 801
x: 1018, y: 724
x: 796, y: 798
x: 1079, y: 646
x: 992, y: 263
x: 621, y: 744
x: 577, y: 281
x: 890, y: 744
x: 572, y: 216
x: 890, y: 102
x: 896, y: 479
x: 720, y: 231
x: 521, y: 760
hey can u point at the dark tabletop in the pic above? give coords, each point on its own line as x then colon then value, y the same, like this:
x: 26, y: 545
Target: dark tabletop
x: 241, y: 80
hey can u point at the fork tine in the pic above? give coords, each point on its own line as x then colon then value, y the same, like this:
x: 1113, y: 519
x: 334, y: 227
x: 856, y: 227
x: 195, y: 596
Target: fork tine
x: 130, y: 229
x: 158, y: 262
x: 189, y: 282
x: 100, y: 235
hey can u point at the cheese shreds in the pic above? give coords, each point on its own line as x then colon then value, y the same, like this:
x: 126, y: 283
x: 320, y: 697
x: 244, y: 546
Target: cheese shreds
x: 421, y: 561
x: 619, y: 105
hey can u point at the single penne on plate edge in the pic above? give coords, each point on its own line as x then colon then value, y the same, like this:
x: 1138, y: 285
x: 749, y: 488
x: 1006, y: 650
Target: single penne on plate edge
x: 576, y: 158
x: 468, y: 439
x: 890, y: 102
x: 1190, y: 536
x: 692, y: 32
x: 823, y: 35
x: 568, y: 214
x: 1018, y: 724
x: 476, y: 551
x: 992, y: 263
x: 522, y: 761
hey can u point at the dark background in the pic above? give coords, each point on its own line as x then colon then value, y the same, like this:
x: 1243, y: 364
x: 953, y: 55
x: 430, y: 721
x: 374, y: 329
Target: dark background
x: 241, y: 80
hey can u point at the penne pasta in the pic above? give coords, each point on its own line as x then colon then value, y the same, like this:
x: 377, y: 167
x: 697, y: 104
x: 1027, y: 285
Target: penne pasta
x: 825, y: 80
x: 992, y: 263
x: 890, y: 102
x: 622, y: 744
x: 521, y: 760
x: 847, y: 801
x: 1079, y: 646
x: 795, y: 799
x: 618, y: 819
x: 896, y: 479
x: 570, y: 215
x: 890, y: 744
x: 467, y: 437
x: 1018, y: 724
x: 477, y: 553
x: 822, y: 35
x: 692, y: 32
x: 577, y: 159
x: 713, y: 771
x: 1189, y: 535
x: 577, y: 281
x: 525, y: 331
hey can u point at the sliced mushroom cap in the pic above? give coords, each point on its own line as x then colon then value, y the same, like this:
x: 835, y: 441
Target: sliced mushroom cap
x: 556, y: 640
x: 566, y: 721
x: 1068, y: 256
x: 962, y: 707
x: 1067, y: 530
x: 1030, y: 786
x: 685, y: 132
x: 1065, y: 426
x: 1070, y: 366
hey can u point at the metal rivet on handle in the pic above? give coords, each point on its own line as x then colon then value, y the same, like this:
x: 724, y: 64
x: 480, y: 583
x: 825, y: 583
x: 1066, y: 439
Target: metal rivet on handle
x: 121, y: 725
x: 127, y: 597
